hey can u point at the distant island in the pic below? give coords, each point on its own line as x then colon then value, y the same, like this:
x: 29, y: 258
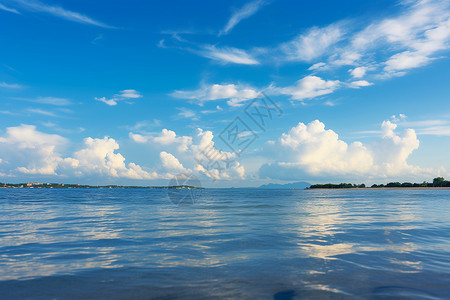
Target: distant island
x: 438, y: 182
x: 39, y: 185
x: 294, y: 185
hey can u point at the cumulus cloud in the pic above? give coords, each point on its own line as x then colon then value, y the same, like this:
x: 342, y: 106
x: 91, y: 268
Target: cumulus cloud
x: 35, y: 152
x: 310, y: 87
x: 245, y: 12
x: 313, y: 150
x: 197, y: 151
x: 32, y: 151
x: 391, y: 152
x: 213, y: 162
x: 235, y: 94
x: 172, y: 164
x: 165, y: 138
x: 122, y: 95
x: 98, y: 157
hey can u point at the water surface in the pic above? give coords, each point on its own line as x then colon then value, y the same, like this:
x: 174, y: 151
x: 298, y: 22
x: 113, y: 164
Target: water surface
x: 232, y: 243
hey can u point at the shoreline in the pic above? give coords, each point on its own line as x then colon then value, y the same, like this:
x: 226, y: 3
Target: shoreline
x: 386, y: 188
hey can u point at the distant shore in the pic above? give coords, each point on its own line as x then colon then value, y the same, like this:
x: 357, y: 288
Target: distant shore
x: 38, y: 185
x: 386, y: 188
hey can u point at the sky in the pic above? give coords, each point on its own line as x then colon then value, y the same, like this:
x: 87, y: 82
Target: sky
x: 235, y: 93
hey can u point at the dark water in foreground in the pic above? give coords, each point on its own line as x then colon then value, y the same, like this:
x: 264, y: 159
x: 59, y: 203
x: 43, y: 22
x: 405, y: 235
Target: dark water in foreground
x: 240, y: 244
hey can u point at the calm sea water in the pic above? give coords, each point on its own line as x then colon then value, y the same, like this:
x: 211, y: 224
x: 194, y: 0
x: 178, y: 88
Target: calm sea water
x: 232, y: 243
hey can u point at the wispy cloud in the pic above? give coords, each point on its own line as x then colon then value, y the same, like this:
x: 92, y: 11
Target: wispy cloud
x: 41, y: 112
x: 187, y: 113
x: 142, y: 126
x: 410, y: 39
x: 60, y: 12
x: 46, y: 100
x: 435, y: 130
x: 122, y: 95
x: 313, y: 44
x: 243, y: 13
x: 7, y: 112
x: 438, y: 127
x: 97, y: 39
x: 10, y: 85
x: 2, y: 7
x: 227, y: 55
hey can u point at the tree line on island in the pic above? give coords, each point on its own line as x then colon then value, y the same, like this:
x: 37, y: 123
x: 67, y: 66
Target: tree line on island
x: 38, y: 185
x: 437, y: 182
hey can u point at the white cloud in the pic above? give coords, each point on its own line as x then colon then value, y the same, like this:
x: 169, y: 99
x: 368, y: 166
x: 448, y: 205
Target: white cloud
x: 213, y: 162
x: 146, y: 124
x: 358, y: 72
x: 318, y: 66
x: 30, y: 151
x: 197, y: 151
x: 2, y: 7
x: 310, y: 87
x: 10, y: 85
x: 26, y: 136
x: 359, y: 83
x: 98, y: 157
x: 411, y: 39
x: 7, y: 112
x: 139, y: 138
x: 435, y: 130
x: 438, y: 127
x: 396, y: 119
x: 129, y: 94
x: 169, y: 137
x: 227, y: 55
x: 41, y: 112
x: 60, y: 12
x: 187, y: 113
x: 47, y: 100
x: 392, y: 151
x: 172, y: 164
x: 235, y: 93
x: 405, y: 60
x: 121, y: 96
x: 33, y: 152
x: 319, y: 152
x: 166, y: 138
x: 245, y: 12
x: 315, y: 43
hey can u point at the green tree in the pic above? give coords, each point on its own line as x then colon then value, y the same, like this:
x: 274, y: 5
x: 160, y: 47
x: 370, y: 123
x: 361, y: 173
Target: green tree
x: 438, y: 181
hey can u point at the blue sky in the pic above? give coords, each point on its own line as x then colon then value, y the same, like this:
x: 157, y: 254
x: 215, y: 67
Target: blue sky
x: 139, y: 92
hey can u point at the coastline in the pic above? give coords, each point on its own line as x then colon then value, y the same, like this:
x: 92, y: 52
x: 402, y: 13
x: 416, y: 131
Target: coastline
x: 386, y: 188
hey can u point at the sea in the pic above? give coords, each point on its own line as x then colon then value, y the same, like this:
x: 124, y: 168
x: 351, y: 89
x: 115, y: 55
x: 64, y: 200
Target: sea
x: 224, y: 244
